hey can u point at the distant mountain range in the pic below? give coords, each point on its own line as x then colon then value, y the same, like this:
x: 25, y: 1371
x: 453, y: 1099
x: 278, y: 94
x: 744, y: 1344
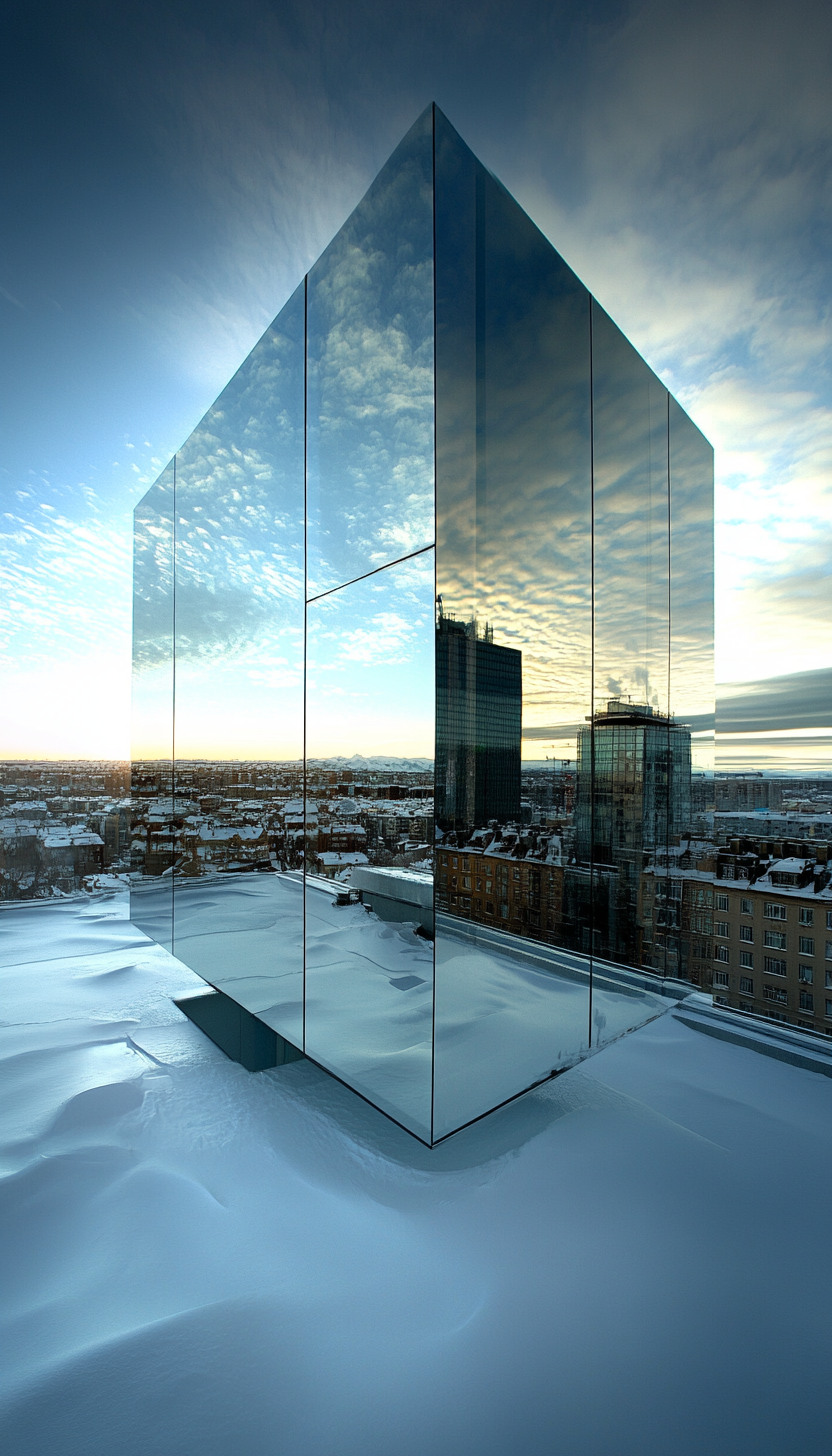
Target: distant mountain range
x: 376, y: 763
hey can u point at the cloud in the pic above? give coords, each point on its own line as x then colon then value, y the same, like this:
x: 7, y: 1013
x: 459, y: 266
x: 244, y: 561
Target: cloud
x: 693, y: 199
x: 62, y: 587
x: 678, y: 156
x: 798, y: 700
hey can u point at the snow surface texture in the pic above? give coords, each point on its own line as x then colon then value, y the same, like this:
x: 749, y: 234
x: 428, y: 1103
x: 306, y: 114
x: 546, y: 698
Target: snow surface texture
x: 630, y: 1260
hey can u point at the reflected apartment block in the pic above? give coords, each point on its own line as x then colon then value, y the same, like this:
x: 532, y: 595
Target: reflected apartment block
x: 442, y: 527
x: 772, y: 932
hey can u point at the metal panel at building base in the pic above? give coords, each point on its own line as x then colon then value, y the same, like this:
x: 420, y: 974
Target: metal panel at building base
x: 242, y: 1037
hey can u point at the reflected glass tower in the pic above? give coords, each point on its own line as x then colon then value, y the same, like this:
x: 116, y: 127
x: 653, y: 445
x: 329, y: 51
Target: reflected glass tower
x: 479, y: 708
x: 440, y: 517
x: 633, y: 787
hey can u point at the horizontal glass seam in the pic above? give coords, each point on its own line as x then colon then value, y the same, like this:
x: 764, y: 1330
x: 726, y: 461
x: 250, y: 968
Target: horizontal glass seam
x: 386, y: 567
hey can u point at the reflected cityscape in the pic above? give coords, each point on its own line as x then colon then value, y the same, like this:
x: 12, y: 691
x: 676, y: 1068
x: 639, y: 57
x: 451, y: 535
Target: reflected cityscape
x: 74, y: 827
x: 424, y: 723
x: 65, y: 828
x: 245, y: 818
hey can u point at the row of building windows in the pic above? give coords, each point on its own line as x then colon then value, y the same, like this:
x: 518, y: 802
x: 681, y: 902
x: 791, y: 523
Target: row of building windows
x: 777, y: 994
x: 776, y: 967
x: 773, y: 910
x: 774, y: 939
x: 779, y: 1016
x: 807, y: 948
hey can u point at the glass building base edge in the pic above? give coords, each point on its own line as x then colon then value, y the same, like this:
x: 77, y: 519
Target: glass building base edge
x: 413, y: 1125
x: 245, y: 1039
x: 422, y: 1137
x: 636, y: 996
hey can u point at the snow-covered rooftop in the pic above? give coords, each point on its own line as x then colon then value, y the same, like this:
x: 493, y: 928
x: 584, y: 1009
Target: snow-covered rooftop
x: 341, y: 857
x: 765, y: 882
x: 70, y: 837
x: 403, y: 872
x: 201, y: 1260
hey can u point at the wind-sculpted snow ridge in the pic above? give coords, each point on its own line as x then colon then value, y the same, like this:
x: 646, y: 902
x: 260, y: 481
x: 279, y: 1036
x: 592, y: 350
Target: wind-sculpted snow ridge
x: 200, y: 1260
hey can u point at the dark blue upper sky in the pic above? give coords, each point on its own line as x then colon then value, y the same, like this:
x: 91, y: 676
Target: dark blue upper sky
x: 170, y: 171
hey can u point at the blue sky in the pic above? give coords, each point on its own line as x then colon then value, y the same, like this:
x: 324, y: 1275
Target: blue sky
x: 172, y: 170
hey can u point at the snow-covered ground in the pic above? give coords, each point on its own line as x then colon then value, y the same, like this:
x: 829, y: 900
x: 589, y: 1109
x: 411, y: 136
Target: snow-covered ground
x: 633, y: 1259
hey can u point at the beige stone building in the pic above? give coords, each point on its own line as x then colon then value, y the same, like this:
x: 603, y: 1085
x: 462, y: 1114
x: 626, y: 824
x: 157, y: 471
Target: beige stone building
x: 772, y: 944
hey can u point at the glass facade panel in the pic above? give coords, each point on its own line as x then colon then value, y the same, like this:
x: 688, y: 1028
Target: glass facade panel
x: 692, y: 701
x: 369, y: 966
x: 624, y: 812
x: 513, y: 647
x: 443, y: 633
x: 239, y: 679
x: 370, y: 376
x: 152, y: 808
x: 631, y: 529
x: 692, y: 582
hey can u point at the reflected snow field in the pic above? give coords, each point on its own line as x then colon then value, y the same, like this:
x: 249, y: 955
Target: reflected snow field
x: 508, y: 1013
x: 369, y: 1006
x: 244, y: 934
x: 509, y: 1017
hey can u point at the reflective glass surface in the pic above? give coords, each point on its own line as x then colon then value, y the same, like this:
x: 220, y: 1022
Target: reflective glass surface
x: 691, y: 577
x: 631, y: 532
x: 370, y: 376
x: 513, y: 641
x: 152, y: 809
x: 692, y: 692
x: 423, y: 664
x: 239, y: 679
x: 624, y: 812
x: 369, y: 966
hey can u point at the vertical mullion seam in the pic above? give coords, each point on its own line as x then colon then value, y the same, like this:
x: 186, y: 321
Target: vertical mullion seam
x: 592, y: 665
x: 173, y: 717
x: 305, y: 612
x: 435, y: 589
x: 670, y: 785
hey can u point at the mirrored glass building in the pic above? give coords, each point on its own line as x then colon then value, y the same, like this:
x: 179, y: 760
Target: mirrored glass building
x: 423, y: 662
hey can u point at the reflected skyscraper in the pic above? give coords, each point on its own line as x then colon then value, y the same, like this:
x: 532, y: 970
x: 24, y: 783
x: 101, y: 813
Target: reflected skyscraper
x: 441, y: 516
x: 633, y: 786
x: 479, y: 708
x: 632, y: 804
